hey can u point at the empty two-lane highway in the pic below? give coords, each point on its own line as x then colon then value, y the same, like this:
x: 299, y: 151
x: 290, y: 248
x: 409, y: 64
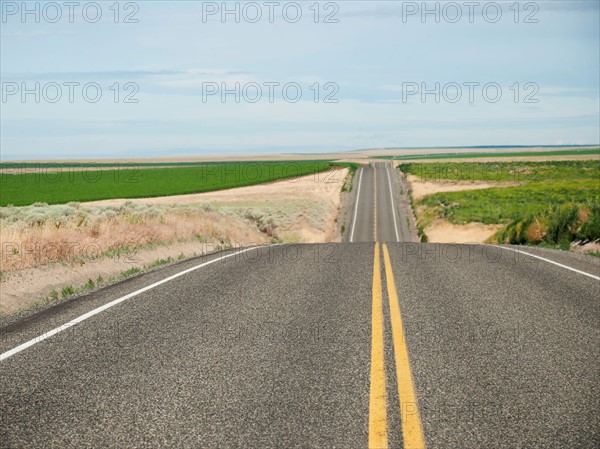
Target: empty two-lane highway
x: 378, y: 214
x: 351, y: 345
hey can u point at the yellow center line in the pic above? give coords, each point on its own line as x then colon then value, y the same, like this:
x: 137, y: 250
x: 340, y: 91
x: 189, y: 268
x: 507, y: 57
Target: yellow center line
x: 412, y: 430
x: 374, y: 204
x: 377, y: 400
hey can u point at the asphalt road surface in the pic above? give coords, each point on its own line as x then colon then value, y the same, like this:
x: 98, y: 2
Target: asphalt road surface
x: 379, y: 205
x: 351, y: 345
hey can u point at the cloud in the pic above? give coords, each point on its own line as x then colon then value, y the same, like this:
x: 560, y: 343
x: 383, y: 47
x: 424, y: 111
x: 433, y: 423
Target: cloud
x: 407, y: 9
x: 120, y: 74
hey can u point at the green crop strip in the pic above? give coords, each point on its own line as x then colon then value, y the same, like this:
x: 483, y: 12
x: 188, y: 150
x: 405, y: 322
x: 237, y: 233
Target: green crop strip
x: 62, y: 185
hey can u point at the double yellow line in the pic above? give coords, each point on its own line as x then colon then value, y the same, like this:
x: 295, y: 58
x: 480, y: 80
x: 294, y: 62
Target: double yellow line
x: 378, y: 398
x: 375, y: 204
x: 412, y: 431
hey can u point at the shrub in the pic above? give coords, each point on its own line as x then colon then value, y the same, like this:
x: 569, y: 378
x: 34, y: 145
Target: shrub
x: 89, y: 285
x: 536, y: 231
x: 561, y: 222
x: 35, y: 218
x: 564, y: 242
x: 128, y: 273
x: 67, y: 291
x: 421, y: 233
x: 267, y: 227
x: 557, y: 226
x: 590, y: 228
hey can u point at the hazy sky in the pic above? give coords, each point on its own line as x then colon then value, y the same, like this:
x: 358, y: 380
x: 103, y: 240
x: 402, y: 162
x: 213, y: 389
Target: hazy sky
x: 370, y: 60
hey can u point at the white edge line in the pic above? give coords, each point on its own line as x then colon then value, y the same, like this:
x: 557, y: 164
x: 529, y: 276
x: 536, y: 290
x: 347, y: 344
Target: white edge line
x: 550, y: 261
x: 387, y: 169
x: 356, y: 205
x: 106, y: 306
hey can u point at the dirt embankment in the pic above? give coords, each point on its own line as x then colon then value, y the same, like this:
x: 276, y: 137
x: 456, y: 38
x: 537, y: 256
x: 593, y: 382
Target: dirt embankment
x: 421, y: 189
x: 442, y: 231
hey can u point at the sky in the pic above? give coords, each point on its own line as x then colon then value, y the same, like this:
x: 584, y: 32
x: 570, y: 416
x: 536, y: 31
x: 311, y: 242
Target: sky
x: 165, y: 79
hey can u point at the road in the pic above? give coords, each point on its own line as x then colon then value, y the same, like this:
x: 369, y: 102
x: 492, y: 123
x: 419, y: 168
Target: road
x: 350, y: 345
x: 379, y: 205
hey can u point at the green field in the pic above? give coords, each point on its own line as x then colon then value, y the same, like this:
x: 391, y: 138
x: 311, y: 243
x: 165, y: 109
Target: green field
x: 505, y: 204
x: 549, y: 191
x: 58, y: 185
x: 576, y: 152
x: 528, y: 172
x: 91, y: 165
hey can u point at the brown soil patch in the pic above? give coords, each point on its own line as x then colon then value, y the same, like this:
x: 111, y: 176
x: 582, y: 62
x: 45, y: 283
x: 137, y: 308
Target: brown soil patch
x: 442, y: 231
x: 421, y: 189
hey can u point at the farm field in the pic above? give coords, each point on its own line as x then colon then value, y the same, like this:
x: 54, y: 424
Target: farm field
x: 69, y: 184
x: 473, y: 155
x: 554, y: 202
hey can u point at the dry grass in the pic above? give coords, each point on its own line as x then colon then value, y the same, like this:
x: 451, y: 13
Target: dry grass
x: 48, y: 249
x: 38, y: 235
